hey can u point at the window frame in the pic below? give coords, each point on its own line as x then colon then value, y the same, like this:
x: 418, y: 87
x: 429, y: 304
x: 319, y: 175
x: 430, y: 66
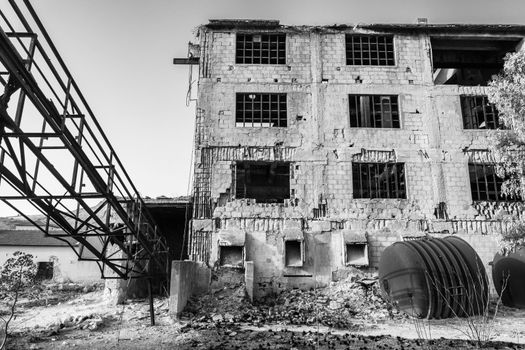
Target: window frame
x: 359, y: 99
x: 282, y: 98
x: 497, y: 183
x: 387, y: 58
x: 470, y: 122
x: 241, y: 59
x: 397, y: 182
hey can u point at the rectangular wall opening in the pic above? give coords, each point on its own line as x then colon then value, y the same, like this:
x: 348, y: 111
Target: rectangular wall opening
x: 378, y: 180
x: 232, y: 256
x: 260, y: 110
x: 469, y: 61
x: 261, y: 48
x: 478, y: 113
x: 356, y: 254
x: 44, y: 270
x: 370, y: 50
x: 374, y: 111
x: 266, y: 182
x: 485, y: 184
x: 293, y: 253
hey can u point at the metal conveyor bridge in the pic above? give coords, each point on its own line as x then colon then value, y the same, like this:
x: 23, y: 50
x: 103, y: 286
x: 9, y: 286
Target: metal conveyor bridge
x: 55, y: 158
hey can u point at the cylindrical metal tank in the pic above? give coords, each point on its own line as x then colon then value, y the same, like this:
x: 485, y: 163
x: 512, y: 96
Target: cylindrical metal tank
x: 434, y: 278
x: 508, y: 274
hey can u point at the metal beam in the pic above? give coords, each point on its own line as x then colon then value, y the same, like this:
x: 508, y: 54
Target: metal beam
x: 69, y: 127
x: 189, y: 60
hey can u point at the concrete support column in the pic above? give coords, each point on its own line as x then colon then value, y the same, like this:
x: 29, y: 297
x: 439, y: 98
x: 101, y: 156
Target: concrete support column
x: 249, y: 278
x: 115, y: 291
x: 181, y: 285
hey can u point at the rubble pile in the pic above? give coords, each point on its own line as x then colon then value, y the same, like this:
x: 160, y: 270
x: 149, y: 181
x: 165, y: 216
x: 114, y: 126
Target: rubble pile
x: 91, y: 322
x: 337, y: 305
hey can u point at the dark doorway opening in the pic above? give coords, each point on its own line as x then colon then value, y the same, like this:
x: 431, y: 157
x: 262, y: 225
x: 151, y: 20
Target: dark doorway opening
x: 172, y: 216
x: 44, y: 270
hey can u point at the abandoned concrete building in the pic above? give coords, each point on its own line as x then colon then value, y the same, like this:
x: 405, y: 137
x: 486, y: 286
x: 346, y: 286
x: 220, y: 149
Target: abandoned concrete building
x: 317, y: 147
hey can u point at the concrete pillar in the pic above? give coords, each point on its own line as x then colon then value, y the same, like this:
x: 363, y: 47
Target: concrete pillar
x: 181, y: 285
x: 249, y: 278
x: 115, y: 289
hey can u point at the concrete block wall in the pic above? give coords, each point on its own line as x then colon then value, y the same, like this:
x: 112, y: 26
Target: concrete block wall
x: 321, y: 147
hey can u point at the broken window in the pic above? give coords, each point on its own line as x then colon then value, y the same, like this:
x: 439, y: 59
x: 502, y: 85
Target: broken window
x: 260, y: 110
x: 370, y: 50
x: 44, y: 270
x: 478, y: 113
x: 374, y: 111
x: 378, y: 180
x: 356, y: 254
x: 485, y: 184
x: 293, y: 253
x: 469, y: 61
x: 260, y: 49
x: 266, y: 182
x: 232, y: 256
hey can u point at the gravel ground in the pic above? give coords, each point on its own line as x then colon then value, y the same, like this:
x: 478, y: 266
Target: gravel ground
x: 225, y: 320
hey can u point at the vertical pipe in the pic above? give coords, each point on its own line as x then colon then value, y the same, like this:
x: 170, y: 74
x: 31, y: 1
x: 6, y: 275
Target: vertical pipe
x: 151, y: 311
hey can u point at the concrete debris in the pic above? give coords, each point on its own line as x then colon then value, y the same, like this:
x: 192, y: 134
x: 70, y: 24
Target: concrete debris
x: 90, y: 322
x: 337, y: 306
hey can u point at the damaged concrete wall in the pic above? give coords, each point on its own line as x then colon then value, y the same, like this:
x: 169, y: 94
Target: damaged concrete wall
x: 321, y: 148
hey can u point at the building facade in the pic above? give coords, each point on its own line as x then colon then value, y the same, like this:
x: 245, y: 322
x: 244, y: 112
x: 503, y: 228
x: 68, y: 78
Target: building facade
x: 317, y: 147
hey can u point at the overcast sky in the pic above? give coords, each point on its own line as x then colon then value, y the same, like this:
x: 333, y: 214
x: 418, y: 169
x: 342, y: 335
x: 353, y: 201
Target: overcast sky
x: 120, y: 53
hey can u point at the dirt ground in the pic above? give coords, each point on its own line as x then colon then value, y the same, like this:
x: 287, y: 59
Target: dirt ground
x: 86, y: 322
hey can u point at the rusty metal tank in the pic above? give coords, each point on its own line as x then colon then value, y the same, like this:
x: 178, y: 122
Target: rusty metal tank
x: 434, y: 277
x: 508, y: 275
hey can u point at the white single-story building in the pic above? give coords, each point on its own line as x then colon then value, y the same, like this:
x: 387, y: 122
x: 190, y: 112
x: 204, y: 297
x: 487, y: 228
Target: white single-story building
x: 55, y: 259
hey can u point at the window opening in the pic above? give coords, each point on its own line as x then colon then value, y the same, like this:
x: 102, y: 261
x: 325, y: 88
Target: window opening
x: 485, y: 184
x: 379, y: 180
x: 468, y: 61
x: 260, y: 49
x: 370, y: 50
x: 44, y: 270
x: 260, y: 110
x: 374, y: 111
x: 263, y: 181
x: 478, y: 113
x: 293, y: 253
x: 357, y: 254
x: 232, y: 256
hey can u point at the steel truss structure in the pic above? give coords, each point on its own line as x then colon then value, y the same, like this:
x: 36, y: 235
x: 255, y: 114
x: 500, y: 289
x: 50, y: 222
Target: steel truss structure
x: 55, y: 157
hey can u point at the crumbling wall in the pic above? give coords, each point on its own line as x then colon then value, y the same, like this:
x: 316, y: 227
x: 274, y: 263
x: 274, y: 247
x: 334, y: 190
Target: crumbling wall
x: 321, y: 147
